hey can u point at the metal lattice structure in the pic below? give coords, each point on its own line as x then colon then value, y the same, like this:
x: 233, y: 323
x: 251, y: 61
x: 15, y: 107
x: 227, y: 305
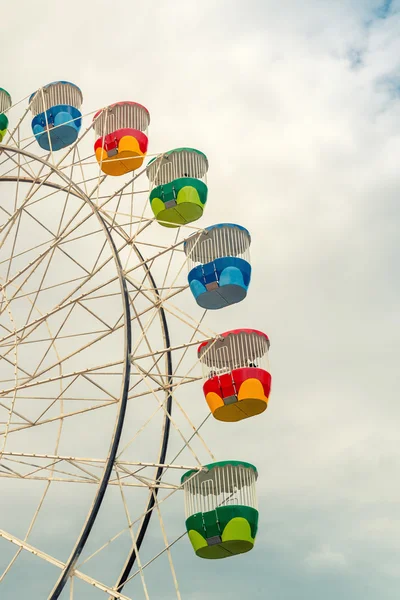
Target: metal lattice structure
x: 90, y: 285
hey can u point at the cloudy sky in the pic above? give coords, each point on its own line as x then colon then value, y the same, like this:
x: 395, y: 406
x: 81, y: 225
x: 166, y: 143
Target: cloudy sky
x: 297, y: 106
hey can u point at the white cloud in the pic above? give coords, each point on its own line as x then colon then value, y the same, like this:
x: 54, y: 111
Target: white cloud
x: 326, y: 559
x: 304, y: 150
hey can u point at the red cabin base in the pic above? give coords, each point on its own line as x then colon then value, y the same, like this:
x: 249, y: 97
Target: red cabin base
x: 121, y: 151
x: 238, y: 395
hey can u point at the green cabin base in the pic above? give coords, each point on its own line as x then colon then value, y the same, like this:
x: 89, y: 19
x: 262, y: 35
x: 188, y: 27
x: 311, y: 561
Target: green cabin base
x: 3, y: 126
x: 223, y: 532
x: 179, y: 202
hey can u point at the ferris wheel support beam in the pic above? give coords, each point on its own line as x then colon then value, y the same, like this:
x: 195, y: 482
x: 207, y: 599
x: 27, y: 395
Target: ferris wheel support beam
x: 57, y: 563
x: 116, y: 436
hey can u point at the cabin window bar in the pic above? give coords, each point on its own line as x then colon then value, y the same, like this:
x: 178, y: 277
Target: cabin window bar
x: 237, y: 351
x: 187, y: 498
x: 249, y: 356
x: 242, y: 488
x: 218, y: 490
x: 249, y: 475
x: 206, y: 492
x: 124, y: 116
x: 230, y: 485
x: 234, y: 353
x: 191, y: 500
x: 245, y: 487
x: 195, y: 497
x: 251, y: 479
x: 186, y: 164
x: 253, y: 488
x: 55, y: 95
x: 238, y: 487
x: 246, y: 477
x: 224, y: 486
x: 256, y: 350
x: 187, y: 502
x: 5, y: 102
x: 219, y: 243
x: 235, y: 489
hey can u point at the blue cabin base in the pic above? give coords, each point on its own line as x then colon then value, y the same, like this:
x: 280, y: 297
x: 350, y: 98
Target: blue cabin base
x: 220, y: 283
x: 58, y: 127
x: 222, y: 296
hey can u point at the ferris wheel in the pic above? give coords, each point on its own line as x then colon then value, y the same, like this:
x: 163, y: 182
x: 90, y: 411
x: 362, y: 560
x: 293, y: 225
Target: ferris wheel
x: 106, y: 277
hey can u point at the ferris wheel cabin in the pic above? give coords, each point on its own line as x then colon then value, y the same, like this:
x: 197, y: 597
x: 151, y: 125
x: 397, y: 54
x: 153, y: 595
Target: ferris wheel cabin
x: 237, y: 381
x: 122, y: 137
x: 219, y: 265
x: 221, y: 509
x: 57, y: 118
x: 179, y: 188
x: 5, y: 104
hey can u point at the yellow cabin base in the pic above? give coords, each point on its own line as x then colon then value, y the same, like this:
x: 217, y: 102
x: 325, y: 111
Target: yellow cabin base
x: 251, y: 401
x: 129, y: 158
x: 243, y: 409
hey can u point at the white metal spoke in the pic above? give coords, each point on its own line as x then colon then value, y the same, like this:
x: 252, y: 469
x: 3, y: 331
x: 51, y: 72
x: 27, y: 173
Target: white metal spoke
x: 82, y: 261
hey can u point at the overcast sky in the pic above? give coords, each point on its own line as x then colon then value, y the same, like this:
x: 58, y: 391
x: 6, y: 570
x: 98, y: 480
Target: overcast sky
x: 297, y: 106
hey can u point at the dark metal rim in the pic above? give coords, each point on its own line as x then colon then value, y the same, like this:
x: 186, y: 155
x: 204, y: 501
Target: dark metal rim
x: 115, y: 439
x: 129, y: 563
